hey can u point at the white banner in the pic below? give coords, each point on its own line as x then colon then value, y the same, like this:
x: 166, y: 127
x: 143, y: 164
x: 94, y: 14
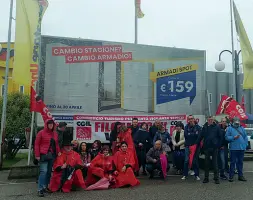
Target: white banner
x: 88, y: 128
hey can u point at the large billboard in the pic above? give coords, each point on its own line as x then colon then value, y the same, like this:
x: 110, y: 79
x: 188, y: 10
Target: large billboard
x: 98, y: 77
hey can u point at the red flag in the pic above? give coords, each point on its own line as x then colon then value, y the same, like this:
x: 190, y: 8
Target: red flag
x: 231, y: 107
x: 224, y: 102
x: 37, y: 105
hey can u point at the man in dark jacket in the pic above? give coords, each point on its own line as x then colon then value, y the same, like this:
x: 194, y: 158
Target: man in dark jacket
x: 153, y: 159
x: 211, y: 134
x: 223, y: 151
x: 142, y: 142
x: 61, y: 132
x: 134, y: 127
x: 191, y: 132
x: 154, y: 129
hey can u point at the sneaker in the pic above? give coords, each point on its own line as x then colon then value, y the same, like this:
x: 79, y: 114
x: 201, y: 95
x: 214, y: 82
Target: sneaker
x: 184, y: 178
x: 223, y: 177
x: 241, y: 178
x: 231, y: 179
x: 191, y: 173
x: 206, y: 180
x: 197, y: 178
x: 41, y: 193
x: 236, y: 172
x: 217, y: 181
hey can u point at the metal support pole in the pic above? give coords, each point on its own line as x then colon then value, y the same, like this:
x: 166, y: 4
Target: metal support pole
x: 136, y: 23
x: 3, y: 120
x: 233, y: 50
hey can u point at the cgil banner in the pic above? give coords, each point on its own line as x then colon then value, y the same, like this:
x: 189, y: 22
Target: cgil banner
x: 88, y: 128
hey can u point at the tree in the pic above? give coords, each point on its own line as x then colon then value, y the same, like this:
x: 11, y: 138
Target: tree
x: 18, y: 115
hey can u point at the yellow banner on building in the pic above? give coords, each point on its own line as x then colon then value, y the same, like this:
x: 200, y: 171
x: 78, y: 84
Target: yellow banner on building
x: 246, y: 49
x: 29, y: 14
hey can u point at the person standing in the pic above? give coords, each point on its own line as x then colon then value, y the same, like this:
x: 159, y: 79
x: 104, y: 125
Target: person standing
x: 238, y: 141
x: 191, y: 133
x: 113, y: 137
x: 178, y: 144
x: 154, y: 129
x: 134, y: 127
x: 212, y: 136
x: 142, y: 141
x: 46, y: 150
x: 61, y: 131
x: 223, y: 151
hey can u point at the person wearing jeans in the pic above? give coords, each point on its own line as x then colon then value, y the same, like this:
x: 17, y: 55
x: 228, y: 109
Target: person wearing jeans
x: 238, y: 141
x: 223, y: 151
x: 46, y: 150
x: 191, y: 133
x: 211, y: 134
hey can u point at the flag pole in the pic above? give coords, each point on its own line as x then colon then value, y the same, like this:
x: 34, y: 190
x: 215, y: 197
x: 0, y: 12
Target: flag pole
x: 30, y: 139
x: 3, y: 120
x: 233, y: 51
x: 136, y: 23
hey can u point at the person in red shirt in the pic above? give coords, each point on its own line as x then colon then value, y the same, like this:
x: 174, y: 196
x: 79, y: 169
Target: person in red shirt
x: 100, y: 167
x: 46, y: 150
x: 67, y: 170
x: 124, y: 162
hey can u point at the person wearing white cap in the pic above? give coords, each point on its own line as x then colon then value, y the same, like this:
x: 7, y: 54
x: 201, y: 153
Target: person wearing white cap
x: 238, y: 141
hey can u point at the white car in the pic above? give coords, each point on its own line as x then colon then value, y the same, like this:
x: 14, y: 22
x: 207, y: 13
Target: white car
x: 249, y: 132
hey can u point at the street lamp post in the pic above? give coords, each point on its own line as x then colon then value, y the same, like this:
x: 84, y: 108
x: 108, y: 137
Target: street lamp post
x: 220, y: 66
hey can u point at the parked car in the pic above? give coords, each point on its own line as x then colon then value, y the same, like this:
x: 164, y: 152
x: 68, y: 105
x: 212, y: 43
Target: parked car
x: 249, y: 132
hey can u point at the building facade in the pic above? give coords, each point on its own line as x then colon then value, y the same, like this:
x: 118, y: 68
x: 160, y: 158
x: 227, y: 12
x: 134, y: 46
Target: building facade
x: 221, y: 83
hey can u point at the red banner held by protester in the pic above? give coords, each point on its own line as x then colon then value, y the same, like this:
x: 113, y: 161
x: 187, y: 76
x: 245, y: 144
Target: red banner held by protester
x: 37, y: 105
x: 231, y: 107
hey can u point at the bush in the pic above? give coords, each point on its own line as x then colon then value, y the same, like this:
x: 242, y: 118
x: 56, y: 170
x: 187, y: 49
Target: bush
x: 18, y: 115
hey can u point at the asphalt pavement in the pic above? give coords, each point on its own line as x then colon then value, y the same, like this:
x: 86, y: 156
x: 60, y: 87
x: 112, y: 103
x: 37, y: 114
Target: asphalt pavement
x: 172, y: 188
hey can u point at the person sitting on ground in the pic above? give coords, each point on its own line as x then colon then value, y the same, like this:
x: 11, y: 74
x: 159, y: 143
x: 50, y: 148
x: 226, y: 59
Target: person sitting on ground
x: 85, y: 157
x: 153, y: 159
x: 67, y: 170
x: 125, y: 135
x: 164, y: 136
x: 100, y: 167
x: 124, y: 162
x: 95, y: 149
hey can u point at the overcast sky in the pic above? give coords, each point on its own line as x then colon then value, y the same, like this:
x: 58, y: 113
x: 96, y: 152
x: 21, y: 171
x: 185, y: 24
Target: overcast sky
x: 195, y: 24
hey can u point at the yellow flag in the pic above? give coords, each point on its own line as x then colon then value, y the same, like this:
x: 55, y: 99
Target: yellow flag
x: 29, y: 14
x: 246, y: 50
x: 140, y: 14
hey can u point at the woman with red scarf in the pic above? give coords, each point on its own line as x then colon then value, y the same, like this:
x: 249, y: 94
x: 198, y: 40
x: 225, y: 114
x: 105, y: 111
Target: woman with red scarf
x: 124, y: 162
x: 100, y: 167
x: 125, y: 135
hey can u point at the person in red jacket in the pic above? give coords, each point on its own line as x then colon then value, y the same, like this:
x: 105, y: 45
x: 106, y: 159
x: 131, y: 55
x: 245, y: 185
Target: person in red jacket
x: 46, y: 150
x: 67, y: 170
x: 100, y: 167
x: 125, y: 135
x: 124, y: 162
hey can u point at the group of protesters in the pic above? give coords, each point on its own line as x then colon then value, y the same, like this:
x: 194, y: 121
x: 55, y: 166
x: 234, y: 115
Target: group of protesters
x: 66, y: 165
